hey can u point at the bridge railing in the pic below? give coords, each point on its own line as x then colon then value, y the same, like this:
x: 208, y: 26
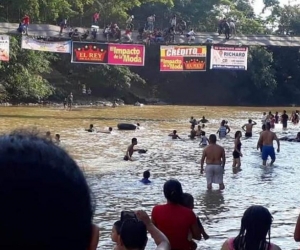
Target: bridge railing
x: 265, y: 30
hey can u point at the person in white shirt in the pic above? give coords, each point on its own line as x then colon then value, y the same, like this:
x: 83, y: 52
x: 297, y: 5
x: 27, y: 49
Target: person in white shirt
x: 191, y: 35
x: 203, y: 141
x: 150, y: 21
x: 173, y: 21
x: 130, y: 19
x: 264, y: 118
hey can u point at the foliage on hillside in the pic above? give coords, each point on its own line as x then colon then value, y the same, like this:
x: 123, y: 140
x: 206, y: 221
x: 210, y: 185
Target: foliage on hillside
x: 273, y: 74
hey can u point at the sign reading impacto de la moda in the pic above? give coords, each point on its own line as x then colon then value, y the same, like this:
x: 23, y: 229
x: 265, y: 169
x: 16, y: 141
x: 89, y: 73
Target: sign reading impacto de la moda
x: 229, y: 57
x: 183, y: 58
x: 113, y: 54
x: 126, y: 54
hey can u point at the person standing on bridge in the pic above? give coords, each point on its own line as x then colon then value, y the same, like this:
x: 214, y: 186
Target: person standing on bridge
x: 191, y: 36
x: 96, y: 17
x: 150, y: 22
x: 26, y: 21
x: 173, y: 21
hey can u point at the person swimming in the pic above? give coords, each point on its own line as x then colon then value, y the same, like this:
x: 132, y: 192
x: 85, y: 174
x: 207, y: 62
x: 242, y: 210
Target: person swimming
x: 204, y: 140
x: 110, y: 129
x: 203, y: 120
x: 146, y: 176
x: 297, y: 139
x: 138, y: 126
x: 174, y: 135
x: 48, y: 136
x: 57, y: 139
x: 91, y: 129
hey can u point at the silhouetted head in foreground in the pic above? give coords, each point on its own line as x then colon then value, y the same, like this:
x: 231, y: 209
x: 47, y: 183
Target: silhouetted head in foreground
x: 212, y: 139
x: 45, y: 200
x: 255, y: 227
x: 173, y: 191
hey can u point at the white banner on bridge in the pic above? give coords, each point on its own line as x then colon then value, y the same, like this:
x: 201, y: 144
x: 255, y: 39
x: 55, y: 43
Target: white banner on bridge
x: 229, y: 57
x: 4, y: 48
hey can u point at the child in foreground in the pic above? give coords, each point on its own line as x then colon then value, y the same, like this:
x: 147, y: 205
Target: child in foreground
x: 188, y: 202
x: 146, y: 176
x: 115, y: 233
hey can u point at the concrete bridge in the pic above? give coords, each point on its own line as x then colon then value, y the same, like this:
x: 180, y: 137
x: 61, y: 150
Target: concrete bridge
x: 46, y: 30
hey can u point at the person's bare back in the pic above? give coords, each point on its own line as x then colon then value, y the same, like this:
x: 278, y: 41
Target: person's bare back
x: 267, y: 137
x: 249, y: 128
x: 214, y: 154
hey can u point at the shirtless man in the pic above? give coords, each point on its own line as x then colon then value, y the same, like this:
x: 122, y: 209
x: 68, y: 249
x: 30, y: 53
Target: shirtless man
x: 215, y: 163
x: 130, y: 150
x: 248, y: 128
x: 266, y: 141
x: 174, y: 135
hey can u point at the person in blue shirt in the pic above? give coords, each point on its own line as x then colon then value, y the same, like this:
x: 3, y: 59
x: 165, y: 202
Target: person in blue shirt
x: 146, y: 176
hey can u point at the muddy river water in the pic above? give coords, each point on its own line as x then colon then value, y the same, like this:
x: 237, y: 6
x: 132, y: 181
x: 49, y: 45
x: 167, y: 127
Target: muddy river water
x: 115, y: 183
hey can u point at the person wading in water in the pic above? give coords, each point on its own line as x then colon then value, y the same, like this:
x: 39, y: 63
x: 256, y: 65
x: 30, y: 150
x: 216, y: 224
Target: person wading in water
x: 215, y: 163
x: 266, y: 141
x: 248, y: 128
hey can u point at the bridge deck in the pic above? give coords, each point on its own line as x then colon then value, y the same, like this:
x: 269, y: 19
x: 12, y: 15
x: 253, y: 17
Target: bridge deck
x: 251, y: 40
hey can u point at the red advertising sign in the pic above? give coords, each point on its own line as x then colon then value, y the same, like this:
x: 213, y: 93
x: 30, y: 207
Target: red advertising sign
x: 126, y: 54
x: 113, y: 54
x: 92, y: 53
x: 183, y: 58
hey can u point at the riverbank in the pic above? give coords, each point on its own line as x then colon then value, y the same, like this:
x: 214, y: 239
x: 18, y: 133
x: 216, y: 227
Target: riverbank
x: 85, y: 103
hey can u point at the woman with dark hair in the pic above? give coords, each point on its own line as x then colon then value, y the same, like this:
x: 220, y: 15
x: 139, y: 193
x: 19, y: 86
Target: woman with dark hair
x: 237, y: 154
x: 174, y: 220
x: 255, y: 228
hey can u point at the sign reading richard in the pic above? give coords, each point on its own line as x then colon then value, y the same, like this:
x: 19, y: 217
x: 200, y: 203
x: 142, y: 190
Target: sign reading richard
x: 229, y: 57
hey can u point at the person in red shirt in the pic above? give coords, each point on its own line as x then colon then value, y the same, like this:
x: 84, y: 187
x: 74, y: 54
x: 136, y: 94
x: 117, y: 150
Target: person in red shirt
x: 174, y: 220
x: 96, y: 17
x: 26, y: 21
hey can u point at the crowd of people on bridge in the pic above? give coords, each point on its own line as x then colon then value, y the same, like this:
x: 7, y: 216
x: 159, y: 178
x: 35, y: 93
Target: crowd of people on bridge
x: 147, y: 33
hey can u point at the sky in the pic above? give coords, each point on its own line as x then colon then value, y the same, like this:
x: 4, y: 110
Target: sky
x: 258, y: 4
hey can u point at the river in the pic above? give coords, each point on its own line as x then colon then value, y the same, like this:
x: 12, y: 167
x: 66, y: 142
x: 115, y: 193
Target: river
x: 115, y: 182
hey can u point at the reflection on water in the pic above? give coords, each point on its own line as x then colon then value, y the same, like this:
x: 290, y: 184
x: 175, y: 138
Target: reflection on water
x: 116, y: 185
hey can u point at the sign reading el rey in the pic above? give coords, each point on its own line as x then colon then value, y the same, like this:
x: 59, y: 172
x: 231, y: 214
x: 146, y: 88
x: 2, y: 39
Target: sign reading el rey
x: 183, y: 58
x: 126, y: 54
x: 87, y: 52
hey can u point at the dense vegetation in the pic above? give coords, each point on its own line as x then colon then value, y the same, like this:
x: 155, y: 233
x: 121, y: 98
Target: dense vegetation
x: 273, y: 75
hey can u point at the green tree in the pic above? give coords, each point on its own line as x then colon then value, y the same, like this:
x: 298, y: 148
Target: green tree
x: 22, y: 78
